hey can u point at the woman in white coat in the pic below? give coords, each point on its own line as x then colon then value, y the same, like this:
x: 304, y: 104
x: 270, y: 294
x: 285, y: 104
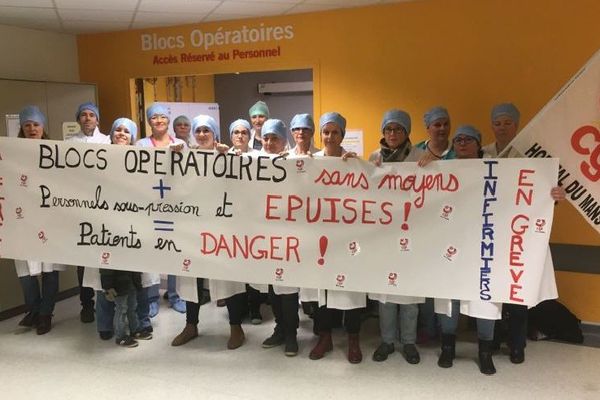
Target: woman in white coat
x: 39, y: 304
x: 333, y: 128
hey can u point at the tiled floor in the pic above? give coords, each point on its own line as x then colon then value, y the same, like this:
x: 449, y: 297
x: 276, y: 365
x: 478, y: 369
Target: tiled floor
x: 71, y: 362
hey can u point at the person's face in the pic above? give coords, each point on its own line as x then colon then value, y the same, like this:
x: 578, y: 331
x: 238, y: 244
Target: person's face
x: 159, y: 123
x: 204, y: 138
x: 394, y: 135
x: 331, y: 136
x: 88, y: 121
x: 240, y: 137
x: 302, y: 136
x: 33, y: 130
x: 466, y: 147
x: 439, y: 129
x: 182, y: 130
x: 273, y: 144
x: 258, y: 121
x: 121, y: 135
x: 504, y: 129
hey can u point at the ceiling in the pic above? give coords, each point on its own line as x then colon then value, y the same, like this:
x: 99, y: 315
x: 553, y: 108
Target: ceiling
x: 80, y: 16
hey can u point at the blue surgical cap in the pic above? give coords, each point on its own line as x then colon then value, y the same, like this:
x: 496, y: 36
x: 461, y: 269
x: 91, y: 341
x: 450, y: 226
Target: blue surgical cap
x: 88, y: 106
x: 32, y: 113
x: 237, y: 123
x: 335, y: 118
x: 468, y: 130
x: 209, y: 122
x: 157, y: 109
x: 507, y: 109
x: 434, y: 114
x: 398, y: 116
x: 274, y: 127
x: 303, y: 121
x: 259, y: 108
x: 127, y: 123
x: 182, y: 119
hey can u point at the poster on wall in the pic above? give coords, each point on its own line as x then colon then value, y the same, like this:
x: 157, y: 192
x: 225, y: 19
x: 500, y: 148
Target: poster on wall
x: 353, y: 141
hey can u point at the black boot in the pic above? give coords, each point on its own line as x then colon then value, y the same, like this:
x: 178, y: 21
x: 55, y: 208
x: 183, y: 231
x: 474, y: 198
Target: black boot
x: 486, y: 364
x: 448, y: 346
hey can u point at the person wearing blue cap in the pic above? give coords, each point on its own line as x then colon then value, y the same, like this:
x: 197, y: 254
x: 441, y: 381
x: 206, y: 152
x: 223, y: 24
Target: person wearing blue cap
x: 259, y: 113
x: 182, y: 128
x: 395, y: 146
x: 158, y: 116
x: 332, y: 126
x: 40, y: 304
x: 239, y: 133
x: 274, y: 134
x: 505, y: 124
x: 438, y: 145
x: 505, y: 118
x: 302, y: 128
x: 88, y: 118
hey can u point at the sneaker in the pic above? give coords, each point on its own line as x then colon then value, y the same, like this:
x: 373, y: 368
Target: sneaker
x: 411, y: 354
x: 127, y: 341
x: 178, y: 305
x: 143, y: 335
x: 276, y: 339
x: 87, y: 315
x: 291, y: 346
x: 106, y: 335
x: 153, y: 309
x: 383, y: 351
x: 30, y: 320
x: 256, y: 318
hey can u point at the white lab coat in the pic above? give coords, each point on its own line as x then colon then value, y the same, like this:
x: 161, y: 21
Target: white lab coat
x: 96, y: 137
x: 33, y: 268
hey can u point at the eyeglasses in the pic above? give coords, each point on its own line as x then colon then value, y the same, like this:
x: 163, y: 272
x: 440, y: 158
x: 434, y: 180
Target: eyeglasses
x: 464, y: 140
x: 393, y: 130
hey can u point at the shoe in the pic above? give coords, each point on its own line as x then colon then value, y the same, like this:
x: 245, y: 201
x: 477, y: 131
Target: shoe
x: 221, y: 303
x: 44, y: 325
x: 256, y: 318
x: 354, y: 353
x: 517, y: 356
x: 291, y: 346
x: 189, y: 332
x: 127, y: 341
x: 153, y: 309
x: 148, y: 329
x: 143, y: 335
x: 30, y: 320
x: 448, y: 351
x: 324, y: 345
x: 166, y: 295
x: 106, y: 335
x: 486, y: 364
x: 276, y: 339
x: 411, y: 354
x: 87, y: 315
x: 178, y: 305
x: 383, y: 351
x: 236, y: 337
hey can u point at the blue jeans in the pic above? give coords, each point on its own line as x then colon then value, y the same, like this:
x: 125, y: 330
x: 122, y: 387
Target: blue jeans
x: 427, y: 318
x: 43, y: 303
x: 388, y: 322
x: 485, y: 327
x: 143, y: 308
x: 125, y: 314
x: 105, y: 313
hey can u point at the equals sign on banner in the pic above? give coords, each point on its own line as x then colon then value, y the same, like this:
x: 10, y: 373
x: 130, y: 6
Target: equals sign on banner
x: 163, y: 225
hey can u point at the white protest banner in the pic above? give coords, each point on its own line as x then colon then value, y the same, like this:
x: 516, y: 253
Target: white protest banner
x: 568, y: 127
x: 465, y: 229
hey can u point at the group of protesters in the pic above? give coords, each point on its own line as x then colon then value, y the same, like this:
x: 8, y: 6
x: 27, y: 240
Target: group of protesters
x: 127, y: 301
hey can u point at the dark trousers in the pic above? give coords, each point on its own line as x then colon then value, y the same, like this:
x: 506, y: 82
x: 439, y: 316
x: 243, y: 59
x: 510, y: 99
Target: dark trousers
x: 143, y: 308
x: 324, y: 317
x: 285, y: 310
x: 255, y: 298
x: 237, y: 306
x: 517, y: 325
x: 192, y: 310
x: 86, y: 294
x: 40, y: 302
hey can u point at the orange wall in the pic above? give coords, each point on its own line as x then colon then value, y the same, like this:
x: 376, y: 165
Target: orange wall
x: 465, y: 54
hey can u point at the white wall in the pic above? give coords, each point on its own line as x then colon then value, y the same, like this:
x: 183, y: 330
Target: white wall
x: 38, y: 55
